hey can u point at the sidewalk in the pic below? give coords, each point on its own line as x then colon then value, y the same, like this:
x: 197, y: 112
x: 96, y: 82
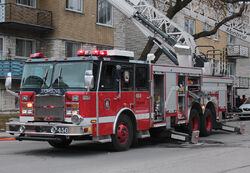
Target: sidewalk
x: 6, y: 137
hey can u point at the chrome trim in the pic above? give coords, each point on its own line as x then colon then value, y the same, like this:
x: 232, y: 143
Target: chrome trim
x: 118, y: 115
x: 38, y: 128
x: 97, y: 100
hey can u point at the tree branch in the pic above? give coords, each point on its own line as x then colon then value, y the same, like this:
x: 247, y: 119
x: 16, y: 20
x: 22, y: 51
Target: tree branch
x: 218, y: 25
x: 179, y: 5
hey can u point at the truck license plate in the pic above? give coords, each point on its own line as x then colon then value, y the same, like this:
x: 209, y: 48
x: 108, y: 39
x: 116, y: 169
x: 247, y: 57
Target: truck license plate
x: 63, y: 130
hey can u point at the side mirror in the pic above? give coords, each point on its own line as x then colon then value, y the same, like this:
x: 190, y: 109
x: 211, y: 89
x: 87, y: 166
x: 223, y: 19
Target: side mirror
x: 8, y: 81
x: 89, y: 79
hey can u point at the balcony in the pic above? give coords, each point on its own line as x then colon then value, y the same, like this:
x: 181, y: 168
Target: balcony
x: 13, y: 66
x: 241, y: 82
x: 237, y: 51
x: 21, y: 17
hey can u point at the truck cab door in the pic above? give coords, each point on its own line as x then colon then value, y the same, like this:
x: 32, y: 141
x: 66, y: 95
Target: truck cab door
x: 142, y: 99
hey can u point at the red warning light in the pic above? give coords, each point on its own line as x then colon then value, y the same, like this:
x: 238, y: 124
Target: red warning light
x: 80, y: 52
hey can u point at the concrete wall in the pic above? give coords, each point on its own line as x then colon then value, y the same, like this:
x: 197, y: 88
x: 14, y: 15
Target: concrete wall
x: 9, y: 102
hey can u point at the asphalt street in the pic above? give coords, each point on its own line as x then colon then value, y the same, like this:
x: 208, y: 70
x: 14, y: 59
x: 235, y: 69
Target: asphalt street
x: 221, y: 152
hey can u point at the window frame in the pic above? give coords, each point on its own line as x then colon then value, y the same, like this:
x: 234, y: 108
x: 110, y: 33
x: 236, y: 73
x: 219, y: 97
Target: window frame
x: 231, y: 69
x: 1, y: 53
x: 146, y: 86
x: 189, y: 25
x: 216, y: 36
x: 72, y: 42
x: 74, y: 10
x: 114, y: 74
x: 206, y: 27
x: 229, y: 36
x: 112, y: 16
x: 34, y: 6
x: 130, y: 68
x: 24, y: 39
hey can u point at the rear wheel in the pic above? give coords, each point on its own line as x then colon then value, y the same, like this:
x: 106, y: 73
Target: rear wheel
x: 194, y: 121
x: 123, y: 137
x: 64, y: 143
x: 207, y: 122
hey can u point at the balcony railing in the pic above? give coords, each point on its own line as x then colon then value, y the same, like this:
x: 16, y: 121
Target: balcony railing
x: 237, y: 51
x: 13, y: 66
x: 13, y: 15
x: 241, y: 82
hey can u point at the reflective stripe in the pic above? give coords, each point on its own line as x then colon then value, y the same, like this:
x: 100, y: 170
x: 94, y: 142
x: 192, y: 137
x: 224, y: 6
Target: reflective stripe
x: 142, y: 116
x: 26, y: 119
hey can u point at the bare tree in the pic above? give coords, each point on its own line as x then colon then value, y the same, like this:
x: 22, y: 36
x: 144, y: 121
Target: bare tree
x: 175, y: 6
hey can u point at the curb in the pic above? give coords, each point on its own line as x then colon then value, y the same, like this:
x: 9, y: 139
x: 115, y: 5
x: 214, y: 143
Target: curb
x: 7, y: 139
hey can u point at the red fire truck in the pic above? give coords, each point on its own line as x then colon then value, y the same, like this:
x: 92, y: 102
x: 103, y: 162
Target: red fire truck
x: 106, y: 96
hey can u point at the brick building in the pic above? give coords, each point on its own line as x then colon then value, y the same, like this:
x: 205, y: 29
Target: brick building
x: 58, y: 28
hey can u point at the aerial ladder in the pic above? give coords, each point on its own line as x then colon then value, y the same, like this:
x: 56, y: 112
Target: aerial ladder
x: 160, y: 30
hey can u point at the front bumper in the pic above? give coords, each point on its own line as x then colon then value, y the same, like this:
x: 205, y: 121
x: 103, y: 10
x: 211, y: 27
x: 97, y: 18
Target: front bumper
x: 48, y: 129
x: 244, y: 114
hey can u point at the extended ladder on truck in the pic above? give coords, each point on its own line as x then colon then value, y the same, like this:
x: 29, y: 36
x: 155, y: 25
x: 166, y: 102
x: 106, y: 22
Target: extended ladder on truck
x: 156, y: 26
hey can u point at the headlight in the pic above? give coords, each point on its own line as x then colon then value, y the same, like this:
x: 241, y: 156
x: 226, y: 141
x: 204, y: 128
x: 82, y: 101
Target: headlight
x: 76, y: 119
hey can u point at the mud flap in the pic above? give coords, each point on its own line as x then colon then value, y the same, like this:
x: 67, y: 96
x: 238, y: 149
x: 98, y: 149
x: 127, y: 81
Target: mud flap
x: 185, y: 137
x: 195, y: 137
x: 239, y: 130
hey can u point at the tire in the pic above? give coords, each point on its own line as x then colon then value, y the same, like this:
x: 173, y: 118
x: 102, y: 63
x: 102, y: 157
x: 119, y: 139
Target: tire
x: 194, y: 121
x: 62, y: 144
x: 124, y: 134
x: 207, y: 123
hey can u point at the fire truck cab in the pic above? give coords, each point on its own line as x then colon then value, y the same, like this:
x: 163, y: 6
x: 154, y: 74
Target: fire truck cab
x: 106, y: 96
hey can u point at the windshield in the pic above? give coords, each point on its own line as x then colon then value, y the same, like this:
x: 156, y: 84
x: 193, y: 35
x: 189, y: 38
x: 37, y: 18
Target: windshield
x: 70, y: 74
x: 57, y: 75
x: 37, y: 75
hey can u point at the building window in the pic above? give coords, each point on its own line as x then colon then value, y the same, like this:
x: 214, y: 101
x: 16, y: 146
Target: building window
x: 24, y: 47
x: 29, y: 3
x: 72, y: 48
x: 231, y: 69
x: 74, y: 5
x: 216, y: 35
x: 189, y: 26
x: 230, y: 39
x: 1, y: 47
x: 105, y: 13
x: 206, y: 27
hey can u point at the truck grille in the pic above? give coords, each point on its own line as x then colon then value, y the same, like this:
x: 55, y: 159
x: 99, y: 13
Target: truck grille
x: 49, y: 108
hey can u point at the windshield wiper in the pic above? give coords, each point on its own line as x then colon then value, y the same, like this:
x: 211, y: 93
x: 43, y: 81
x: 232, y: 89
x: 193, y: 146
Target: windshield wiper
x: 59, y: 77
x: 45, y: 77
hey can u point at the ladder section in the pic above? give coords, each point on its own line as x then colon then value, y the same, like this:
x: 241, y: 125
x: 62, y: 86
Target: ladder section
x: 155, y: 25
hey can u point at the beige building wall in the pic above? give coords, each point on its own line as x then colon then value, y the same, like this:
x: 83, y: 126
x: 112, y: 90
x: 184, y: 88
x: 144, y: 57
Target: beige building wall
x: 77, y: 26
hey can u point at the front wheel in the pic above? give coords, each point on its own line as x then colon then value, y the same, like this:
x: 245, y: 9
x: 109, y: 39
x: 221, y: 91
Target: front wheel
x: 207, y: 122
x: 123, y: 137
x: 64, y: 143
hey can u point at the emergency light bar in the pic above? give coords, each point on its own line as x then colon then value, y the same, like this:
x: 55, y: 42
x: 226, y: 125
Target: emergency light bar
x: 37, y: 55
x: 106, y: 53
